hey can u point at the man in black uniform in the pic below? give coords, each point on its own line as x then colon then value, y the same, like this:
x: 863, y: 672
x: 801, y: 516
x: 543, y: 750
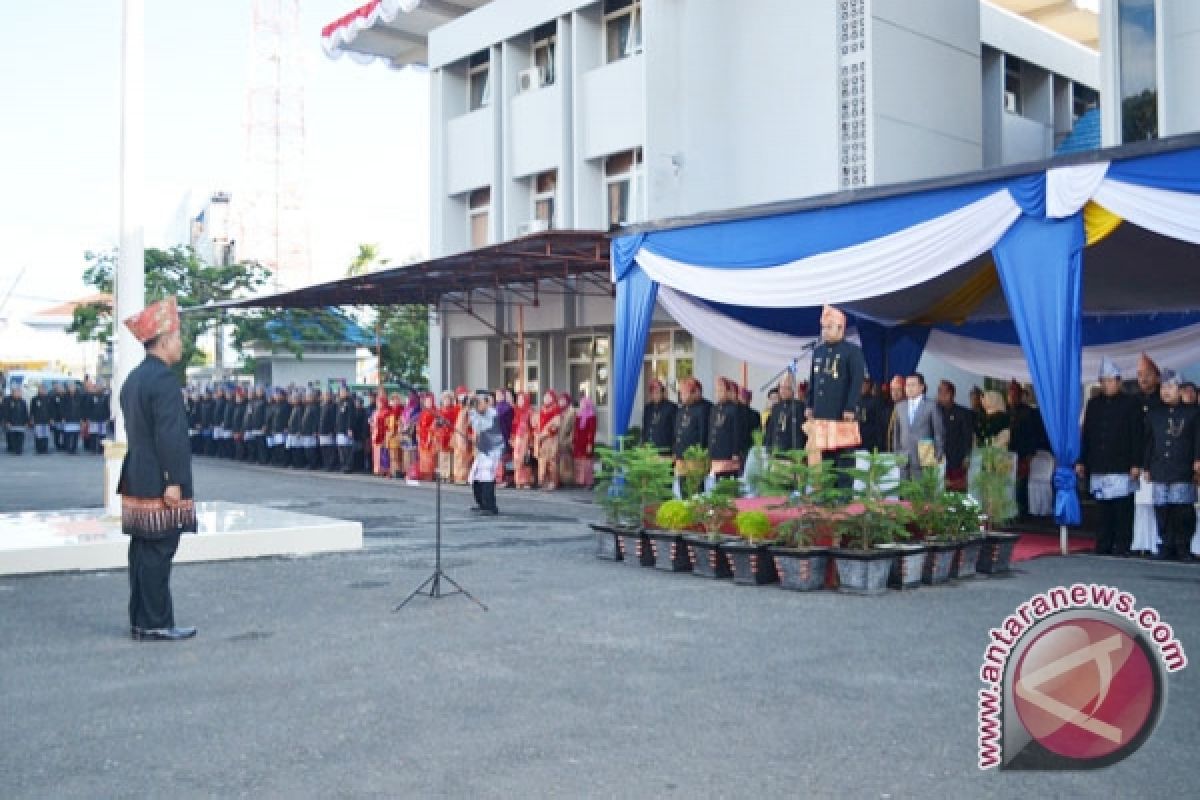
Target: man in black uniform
x: 785, y: 425
x: 14, y: 413
x: 56, y: 399
x: 1111, y: 451
x: 310, y: 425
x: 219, y: 404
x: 70, y: 410
x: 751, y: 422
x: 958, y: 427
x: 725, y: 426
x: 362, y: 431
x: 344, y: 424
x: 691, y: 424
x: 156, y: 477
x: 835, y: 388
x: 99, y: 410
x: 327, y: 432
x: 1171, y: 465
x: 41, y: 416
x: 658, y: 417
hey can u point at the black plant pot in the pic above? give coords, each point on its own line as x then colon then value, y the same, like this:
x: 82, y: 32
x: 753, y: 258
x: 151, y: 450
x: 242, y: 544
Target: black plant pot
x: 968, y: 556
x: 939, y: 561
x: 863, y: 571
x: 800, y: 569
x: 670, y: 551
x: 907, y: 568
x: 752, y: 564
x: 708, y: 558
x: 996, y: 554
x: 607, y: 545
x: 635, y: 548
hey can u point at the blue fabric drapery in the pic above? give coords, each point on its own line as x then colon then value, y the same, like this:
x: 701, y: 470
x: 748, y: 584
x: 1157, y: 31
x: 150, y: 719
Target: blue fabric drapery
x: 636, y: 295
x: 1040, y: 262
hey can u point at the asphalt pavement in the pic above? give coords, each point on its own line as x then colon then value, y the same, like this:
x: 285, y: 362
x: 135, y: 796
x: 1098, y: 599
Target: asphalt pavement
x: 585, y: 678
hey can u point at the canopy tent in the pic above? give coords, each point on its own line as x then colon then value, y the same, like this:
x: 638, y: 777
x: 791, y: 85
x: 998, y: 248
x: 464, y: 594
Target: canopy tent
x: 970, y: 268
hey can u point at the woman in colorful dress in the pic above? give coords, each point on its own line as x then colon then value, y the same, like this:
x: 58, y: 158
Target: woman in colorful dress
x: 379, y: 434
x: 566, y: 441
x: 585, y: 442
x: 464, y: 452
x: 395, y: 436
x: 549, y: 420
x: 427, y: 449
x: 522, y: 442
x: 408, y: 435
x: 445, y: 433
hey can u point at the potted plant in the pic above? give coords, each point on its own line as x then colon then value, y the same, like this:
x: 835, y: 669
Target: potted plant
x: 693, y: 470
x: 670, y: 552
x: 713, y: 510
x: 864, y: 568
x: 810, y: 492
x: 610, y: 496
x: 993, y: 489
x: 965, y: 520
x: 928, y: 504
x: 631, y: 479
x: 752, y: 564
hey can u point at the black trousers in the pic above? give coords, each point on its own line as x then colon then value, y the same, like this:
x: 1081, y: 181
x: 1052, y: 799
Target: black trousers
x: 1116, y: 526
x: 1176, y: 525
x: 41, y: 445
x: 280, y: 455
x: 329, y: 457
x: 346, y: 457
x: 312, y: 457
x: 16, y: 442
x: 71, y: 441
x: 150, y: 604
x: 485, y: 495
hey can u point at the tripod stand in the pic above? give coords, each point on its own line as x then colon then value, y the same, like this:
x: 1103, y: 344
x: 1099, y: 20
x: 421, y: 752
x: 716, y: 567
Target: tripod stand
x: 434, y: 581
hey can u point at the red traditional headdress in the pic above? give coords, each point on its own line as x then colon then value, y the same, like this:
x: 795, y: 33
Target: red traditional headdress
x: 155, y: 319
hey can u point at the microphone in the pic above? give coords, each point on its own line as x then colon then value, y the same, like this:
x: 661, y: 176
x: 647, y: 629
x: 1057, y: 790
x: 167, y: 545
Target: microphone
x: 810, y: 346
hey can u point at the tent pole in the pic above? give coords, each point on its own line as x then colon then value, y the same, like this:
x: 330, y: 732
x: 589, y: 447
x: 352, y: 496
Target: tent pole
x: 521, y: 347
x: 1062, y: 538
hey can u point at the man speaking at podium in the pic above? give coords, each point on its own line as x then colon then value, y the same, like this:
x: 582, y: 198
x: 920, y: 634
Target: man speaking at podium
x: 835, y: 388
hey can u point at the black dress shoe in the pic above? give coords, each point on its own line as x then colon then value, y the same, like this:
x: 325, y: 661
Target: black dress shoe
x: 165, y: 634
x: 476, y: 510
x: 135, y: 631
x: 489, y: 512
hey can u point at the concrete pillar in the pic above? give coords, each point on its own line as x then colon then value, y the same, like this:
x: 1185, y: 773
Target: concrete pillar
x: 130, y: 286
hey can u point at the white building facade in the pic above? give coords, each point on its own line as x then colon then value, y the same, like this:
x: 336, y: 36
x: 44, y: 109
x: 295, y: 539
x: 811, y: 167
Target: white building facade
x: 590, y: 114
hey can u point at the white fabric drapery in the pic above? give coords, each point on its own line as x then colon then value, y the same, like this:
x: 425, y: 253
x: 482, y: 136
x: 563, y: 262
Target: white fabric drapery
x: 898, y: 261
x: 1174, y: 214
x: 1008, y: 361
x: 1068, y: 188
x: 750, y: 344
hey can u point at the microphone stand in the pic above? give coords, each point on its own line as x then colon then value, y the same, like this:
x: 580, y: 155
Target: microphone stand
x: 792, y: 366
x: 434, y: 581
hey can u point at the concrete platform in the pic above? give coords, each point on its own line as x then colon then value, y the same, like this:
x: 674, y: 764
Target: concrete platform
x: 78, y: 540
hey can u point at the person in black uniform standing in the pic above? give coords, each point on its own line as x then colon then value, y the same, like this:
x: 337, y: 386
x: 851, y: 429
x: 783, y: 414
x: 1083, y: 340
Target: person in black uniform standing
x: 327, y: 432
x: 725, y: 426
x: 156, y: 476
x: 658, y: 417
x: 311, y: 423
x: 835, y: 389
x: 1171, y: 465
x: 344, y: 433
x: 785, y: 425
x: 691, y: 424
x: 41, y: 416
x: 1110, y: 455
x: 70, y: 409
x: 14, y: 413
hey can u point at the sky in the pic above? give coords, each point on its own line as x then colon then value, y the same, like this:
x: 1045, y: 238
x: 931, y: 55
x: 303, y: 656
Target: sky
x: 367, y: 138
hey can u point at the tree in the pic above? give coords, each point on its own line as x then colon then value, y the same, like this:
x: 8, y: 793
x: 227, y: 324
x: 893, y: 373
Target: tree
x: 175, y: 272
x: 403, y: 331
x: 1139, y: 116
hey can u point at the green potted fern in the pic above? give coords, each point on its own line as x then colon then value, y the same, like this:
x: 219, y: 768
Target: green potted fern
x: 811, y: 494
x: 670, y: 552
x: 993, y: 488
x: 752, y: 564
x: 928, y: 505
x: 862, y: 566
x: 611, y: 497
x: 713, y: 510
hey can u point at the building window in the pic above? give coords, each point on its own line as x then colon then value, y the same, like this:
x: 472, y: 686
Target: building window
x: 622, y: 186
x: 670, y: 357
x: 1138, y: 59
x: 479, y: 206
x: 545, y: 39
x: 1012, y: 84
x: 479, y: 81
x: 533, y: 371
x: 587, y: 373
x: 545, y: 186
x: 622, y: 29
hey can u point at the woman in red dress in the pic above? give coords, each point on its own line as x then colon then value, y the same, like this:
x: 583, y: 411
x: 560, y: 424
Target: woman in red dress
x: 549, y: 420
x: 427, y: 447
x: 522, y: 442
x: 585, y: 442
x: 379, y: 433
x: 445, y: 433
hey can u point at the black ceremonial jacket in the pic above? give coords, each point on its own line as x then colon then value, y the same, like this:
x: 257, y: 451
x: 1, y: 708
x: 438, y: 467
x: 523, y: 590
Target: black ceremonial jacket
x: 835, y: 385
x: 39, y: 409
x: 725, y: 427
x: 1172, y: 443
x: 156, y: 427
x: 328, y: 424
x: 346, y: 417
x: 785, y: 426
x: 691, y: 426
x: 1112, y: 441
x: 658, y: 424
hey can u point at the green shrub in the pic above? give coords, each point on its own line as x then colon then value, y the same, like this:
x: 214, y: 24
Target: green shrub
x: 754, y: 526
x: 674, y: 515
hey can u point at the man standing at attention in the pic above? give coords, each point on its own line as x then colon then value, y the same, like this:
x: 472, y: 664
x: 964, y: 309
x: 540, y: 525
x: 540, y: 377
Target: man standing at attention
x: 156, y: 477
x: 1111, y: 452
x: 958, y: 424
x: 919, y: 434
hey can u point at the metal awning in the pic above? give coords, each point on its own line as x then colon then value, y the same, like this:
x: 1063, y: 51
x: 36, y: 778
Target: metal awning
x: 548, y: 263
x: 394, y: 30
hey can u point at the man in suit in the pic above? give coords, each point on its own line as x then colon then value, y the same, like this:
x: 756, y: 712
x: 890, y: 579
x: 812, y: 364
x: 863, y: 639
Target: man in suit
x: 917, y: 420
x: 156, y: 477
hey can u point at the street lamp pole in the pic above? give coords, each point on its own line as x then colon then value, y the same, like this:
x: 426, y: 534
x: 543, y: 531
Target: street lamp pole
x: 130, y: 283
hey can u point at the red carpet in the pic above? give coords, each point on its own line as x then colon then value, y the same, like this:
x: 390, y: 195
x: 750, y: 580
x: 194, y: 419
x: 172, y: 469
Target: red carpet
x: 1036, y: 545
